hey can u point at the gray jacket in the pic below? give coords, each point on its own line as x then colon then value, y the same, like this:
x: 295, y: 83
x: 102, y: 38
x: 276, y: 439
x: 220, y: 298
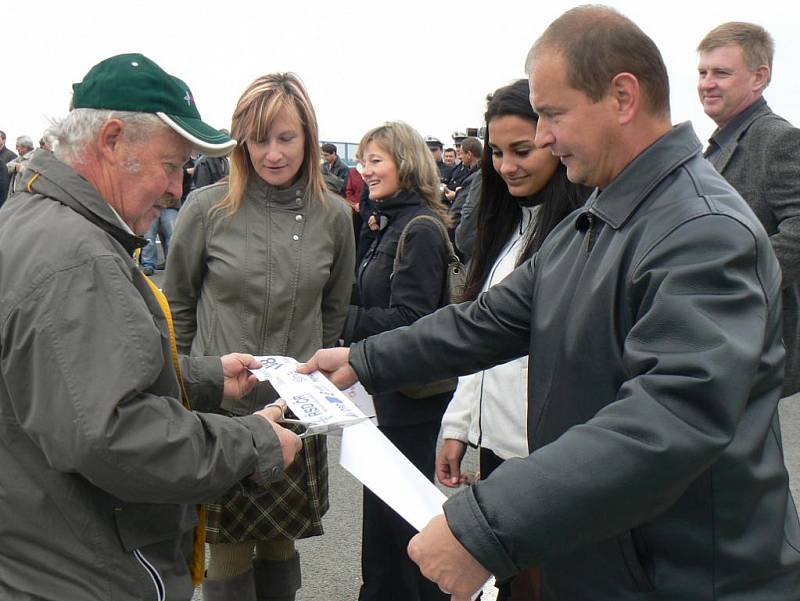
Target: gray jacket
x: 100, y: 464
x: 763, y: 164
x: 275, y: 278
x: 652, y: 320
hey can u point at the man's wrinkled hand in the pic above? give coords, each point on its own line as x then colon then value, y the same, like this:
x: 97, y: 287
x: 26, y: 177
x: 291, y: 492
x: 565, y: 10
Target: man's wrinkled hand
x: 290, y: 442
x: 238, y: 380
x: 334, y: 363
x: 445, y: 561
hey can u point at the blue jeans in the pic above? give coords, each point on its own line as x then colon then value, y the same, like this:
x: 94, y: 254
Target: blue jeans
x: 164, y: 225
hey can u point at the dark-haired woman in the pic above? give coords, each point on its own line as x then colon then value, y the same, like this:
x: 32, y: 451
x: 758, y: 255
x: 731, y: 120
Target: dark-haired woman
x: 525, y: 194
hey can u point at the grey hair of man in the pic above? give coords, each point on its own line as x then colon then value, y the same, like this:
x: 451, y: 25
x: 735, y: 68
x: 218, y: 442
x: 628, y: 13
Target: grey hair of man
x: 80, y: 128
x: 25, y: 142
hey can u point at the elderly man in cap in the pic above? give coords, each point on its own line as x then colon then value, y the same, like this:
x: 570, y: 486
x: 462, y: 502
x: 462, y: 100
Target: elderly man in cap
x: 652, y: 319
x: 102, y: 463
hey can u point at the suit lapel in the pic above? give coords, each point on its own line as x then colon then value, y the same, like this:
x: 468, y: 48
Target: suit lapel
x: 725, y: 154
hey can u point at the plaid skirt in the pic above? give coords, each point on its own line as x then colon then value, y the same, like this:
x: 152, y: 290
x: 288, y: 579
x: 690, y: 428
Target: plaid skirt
x: 289, y: 509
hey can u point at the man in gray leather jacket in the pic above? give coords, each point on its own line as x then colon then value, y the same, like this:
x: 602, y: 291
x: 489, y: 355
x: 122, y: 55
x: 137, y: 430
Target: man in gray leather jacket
x: 101, y: 464
x: 652, y: 319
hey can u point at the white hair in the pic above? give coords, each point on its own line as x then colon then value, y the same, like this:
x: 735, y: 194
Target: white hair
x: 25, y: 142
x: 82, y: 126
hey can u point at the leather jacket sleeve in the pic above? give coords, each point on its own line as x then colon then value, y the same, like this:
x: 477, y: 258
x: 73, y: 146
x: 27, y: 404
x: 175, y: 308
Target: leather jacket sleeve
x: 456, y: 340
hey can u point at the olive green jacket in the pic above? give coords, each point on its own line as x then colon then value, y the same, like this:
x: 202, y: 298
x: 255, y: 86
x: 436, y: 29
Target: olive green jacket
x: 272, y: 279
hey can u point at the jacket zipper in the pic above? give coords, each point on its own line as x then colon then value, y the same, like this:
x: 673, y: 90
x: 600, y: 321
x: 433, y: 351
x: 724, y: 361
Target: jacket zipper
x: 158, y: 582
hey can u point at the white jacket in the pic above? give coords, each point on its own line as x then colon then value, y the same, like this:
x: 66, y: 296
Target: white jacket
x: 490, y: 408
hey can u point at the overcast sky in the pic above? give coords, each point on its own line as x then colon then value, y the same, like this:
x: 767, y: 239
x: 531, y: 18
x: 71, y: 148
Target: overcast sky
x: 429, y: 63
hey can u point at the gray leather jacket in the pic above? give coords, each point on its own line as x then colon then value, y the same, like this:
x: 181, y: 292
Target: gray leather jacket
x: 652, y: 321
x: 100, y: 464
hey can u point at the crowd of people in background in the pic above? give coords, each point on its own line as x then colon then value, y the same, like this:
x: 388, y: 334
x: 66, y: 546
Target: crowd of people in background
x: 617, y: 359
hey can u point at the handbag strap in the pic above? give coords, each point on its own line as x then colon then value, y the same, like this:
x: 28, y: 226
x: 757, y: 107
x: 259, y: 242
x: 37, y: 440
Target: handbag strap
x: 401, y: 243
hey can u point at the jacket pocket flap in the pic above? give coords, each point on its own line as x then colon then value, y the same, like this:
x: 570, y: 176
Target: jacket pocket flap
x: 141, y: 525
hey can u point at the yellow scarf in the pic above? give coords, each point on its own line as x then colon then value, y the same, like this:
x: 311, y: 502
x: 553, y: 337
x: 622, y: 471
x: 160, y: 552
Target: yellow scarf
x: 197, y: 565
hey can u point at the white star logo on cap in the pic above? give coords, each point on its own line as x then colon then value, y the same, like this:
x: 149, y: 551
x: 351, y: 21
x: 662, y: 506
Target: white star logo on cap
x: 188, y: 98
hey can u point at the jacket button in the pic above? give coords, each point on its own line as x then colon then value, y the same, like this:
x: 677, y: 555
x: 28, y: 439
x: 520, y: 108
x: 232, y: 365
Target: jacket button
x: 275, y: 472
x: 298, y: 218
x: 295, y: 237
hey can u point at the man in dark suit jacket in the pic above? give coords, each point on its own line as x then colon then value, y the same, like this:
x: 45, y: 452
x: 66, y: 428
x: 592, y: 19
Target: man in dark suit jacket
x: 758, y: 152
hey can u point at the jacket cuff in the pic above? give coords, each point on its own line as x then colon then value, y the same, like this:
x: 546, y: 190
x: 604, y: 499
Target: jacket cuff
x: 268, y: 449
x: 469, y: 526
x: 358, y: 361
x: 455, y: 433
x: 350, y: 324
x: 204, y: 382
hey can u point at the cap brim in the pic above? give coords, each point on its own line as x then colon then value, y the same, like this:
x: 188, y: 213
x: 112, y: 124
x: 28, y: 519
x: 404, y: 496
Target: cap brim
x: 211, y: 142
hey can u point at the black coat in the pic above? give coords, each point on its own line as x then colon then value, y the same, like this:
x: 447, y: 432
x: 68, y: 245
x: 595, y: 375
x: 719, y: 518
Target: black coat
x: 386, y: 301
x: 4, y: 183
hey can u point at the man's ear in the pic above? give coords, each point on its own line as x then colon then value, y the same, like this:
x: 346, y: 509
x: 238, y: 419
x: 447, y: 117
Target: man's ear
x: 109, y: 142
x: 627, y: 96
x: 761, y: 77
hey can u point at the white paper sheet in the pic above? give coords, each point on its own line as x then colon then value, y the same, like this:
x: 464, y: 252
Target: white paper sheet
x: 312, y: 397
x: 376, y: 463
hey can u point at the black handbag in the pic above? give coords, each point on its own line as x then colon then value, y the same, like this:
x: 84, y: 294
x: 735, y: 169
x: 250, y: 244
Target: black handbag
x: 456, y: 276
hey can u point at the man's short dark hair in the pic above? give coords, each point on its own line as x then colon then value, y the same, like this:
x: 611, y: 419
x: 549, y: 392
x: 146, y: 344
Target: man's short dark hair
x: 597, y: 43
x: 473, y: 146
x: 3, y: 135
x: 450, y: 149
x: 329, y: 148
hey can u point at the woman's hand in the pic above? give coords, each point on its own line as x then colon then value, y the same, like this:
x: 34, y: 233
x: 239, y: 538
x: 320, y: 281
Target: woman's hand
x: 448, y: 463
x: 334, y: 363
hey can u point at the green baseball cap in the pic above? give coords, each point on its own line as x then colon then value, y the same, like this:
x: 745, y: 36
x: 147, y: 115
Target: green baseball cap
x: 132, y: 82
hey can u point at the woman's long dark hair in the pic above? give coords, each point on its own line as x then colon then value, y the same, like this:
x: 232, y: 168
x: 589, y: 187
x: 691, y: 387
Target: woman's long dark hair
x: 499, y: 212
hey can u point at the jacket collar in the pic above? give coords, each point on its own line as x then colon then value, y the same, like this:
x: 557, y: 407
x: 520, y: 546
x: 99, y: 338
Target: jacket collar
x: 397, y: 204
x: 621, y: 198
x: 292, y: 198
x: 48, y: 176
x: 723, y: 157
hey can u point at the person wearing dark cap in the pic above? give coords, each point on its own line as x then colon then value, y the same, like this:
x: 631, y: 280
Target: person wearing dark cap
x: 435, y: 146
x: 103, y: 463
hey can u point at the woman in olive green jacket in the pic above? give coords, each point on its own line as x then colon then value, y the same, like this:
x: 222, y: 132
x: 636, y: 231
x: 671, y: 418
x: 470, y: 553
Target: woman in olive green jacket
x: 264, y: 264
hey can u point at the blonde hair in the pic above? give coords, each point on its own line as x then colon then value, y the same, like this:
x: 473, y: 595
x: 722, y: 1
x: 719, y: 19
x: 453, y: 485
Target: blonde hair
x: 254, y: 114
x: 756, y: 43
x: 416, y: 169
